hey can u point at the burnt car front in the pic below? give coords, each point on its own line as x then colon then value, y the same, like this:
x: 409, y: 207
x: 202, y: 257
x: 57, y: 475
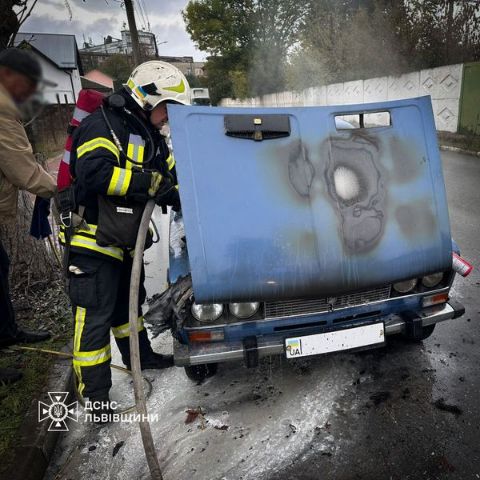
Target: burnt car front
x: 300, y: 236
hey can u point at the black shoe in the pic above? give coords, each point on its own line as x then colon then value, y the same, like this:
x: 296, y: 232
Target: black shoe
x: 155, y: 361
x: 28, y: 336
x: 9, y: 376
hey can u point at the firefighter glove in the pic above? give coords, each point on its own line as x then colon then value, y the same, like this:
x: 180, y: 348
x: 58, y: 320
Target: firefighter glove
x: 167, y: 194
x: 144, y: 185
x: 155, y: 184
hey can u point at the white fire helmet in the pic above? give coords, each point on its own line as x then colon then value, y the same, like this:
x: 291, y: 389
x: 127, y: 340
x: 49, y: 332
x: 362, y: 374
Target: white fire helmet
x: 155, y: 81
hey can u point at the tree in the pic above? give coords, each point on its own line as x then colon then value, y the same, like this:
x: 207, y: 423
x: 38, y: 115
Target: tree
x: 275, y: 30
x: 248, y: 40
x: 354, y: 39
x: 118, y: 67
x: 14, y: 13
x: 444, y: 31
x: 346, y: 40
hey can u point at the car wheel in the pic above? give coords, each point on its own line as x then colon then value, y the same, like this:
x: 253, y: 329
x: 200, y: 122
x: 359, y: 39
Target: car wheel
x: 426, y: 332
x: 198, y: 373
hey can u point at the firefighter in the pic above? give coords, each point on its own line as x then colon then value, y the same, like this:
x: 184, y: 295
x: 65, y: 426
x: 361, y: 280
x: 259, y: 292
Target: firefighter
x: 118, y: 154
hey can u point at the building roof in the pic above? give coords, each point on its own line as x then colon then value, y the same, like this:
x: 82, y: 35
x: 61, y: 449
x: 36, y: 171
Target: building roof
x: 61, y: 49
x: 87, y: 83
x: 99, y: 77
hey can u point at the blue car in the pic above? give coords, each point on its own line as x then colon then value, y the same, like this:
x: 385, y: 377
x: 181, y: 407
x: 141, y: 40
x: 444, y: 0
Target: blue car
x: 306, y: 231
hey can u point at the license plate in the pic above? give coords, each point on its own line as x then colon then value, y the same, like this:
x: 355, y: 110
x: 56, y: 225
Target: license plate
x: 335, y: 341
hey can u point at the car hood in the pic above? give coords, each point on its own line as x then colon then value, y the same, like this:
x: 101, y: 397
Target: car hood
x: 305, y: 208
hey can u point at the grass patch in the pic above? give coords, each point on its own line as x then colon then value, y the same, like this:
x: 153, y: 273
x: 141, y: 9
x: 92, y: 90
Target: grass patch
x: 41, y: 308
x: 465, y: 142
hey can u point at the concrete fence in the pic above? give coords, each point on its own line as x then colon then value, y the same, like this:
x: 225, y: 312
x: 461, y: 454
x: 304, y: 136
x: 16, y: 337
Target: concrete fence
x: 443, y: 84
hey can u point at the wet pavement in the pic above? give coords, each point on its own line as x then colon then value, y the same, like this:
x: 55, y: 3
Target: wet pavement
x: 407, y: 411
x: 415, y: 409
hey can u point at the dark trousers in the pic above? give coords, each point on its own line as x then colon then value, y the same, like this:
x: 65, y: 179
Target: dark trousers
x: 100, y: 297
x: 8, y: 326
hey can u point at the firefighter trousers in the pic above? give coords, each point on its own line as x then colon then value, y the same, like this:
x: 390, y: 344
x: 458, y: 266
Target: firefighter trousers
x: 99, y: 293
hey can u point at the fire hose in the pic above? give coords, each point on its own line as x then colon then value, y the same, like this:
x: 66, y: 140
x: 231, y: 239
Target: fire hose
x: 136, y: 372
x: 140, y: 401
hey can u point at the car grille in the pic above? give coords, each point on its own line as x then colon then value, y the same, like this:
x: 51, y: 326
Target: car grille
x: 293, y: 308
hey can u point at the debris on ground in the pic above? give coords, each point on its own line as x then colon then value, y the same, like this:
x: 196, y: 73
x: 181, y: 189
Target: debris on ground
x: 442, y: 405
x: 380, y: 397
x: 217, y: 424
x: 192, y: 414
x: 117, y: 447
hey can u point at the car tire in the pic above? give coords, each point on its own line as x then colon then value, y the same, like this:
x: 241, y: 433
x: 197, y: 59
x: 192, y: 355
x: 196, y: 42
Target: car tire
x: 426, y: 332
x: 199, y: 373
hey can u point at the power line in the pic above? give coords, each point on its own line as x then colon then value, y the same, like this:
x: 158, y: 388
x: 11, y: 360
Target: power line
x: 144, y: 6
x: 139, y: 12
x: 143, y: 13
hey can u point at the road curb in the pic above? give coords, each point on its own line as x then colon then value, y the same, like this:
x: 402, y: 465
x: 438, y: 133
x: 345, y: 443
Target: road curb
x: 35, y: 443
x: 448, y: 148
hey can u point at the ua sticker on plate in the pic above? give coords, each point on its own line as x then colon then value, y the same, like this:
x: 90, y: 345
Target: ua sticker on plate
x: 294, y: 347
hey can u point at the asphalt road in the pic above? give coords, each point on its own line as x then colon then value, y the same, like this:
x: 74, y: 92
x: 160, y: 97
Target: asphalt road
x: 396, y: 429
x: 407, y: 411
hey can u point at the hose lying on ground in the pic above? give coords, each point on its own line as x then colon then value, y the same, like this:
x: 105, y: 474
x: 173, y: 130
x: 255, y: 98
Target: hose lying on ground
x: 69, y: 355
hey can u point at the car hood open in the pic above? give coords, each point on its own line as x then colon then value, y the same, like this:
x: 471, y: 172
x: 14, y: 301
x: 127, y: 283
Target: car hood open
x: 281, y: 203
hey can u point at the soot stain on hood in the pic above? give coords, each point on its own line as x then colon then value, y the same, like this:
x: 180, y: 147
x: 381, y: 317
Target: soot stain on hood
x: 301, y: 172
x: 356, y: 189
x: 407, y: 161
x: 416, y: 219
x: 353, y: 172
x: 290, y: 170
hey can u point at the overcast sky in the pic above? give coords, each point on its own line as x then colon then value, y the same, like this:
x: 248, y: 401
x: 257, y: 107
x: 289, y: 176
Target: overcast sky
x: 98, y: 18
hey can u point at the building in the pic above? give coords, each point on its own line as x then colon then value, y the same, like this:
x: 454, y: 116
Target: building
x: 186, y: 65
x: 111, y: 45
x: 93, y: 56
x: 60, y: 60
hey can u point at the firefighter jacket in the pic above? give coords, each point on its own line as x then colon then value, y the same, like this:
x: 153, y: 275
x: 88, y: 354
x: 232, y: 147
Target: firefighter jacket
x: 98, y: 168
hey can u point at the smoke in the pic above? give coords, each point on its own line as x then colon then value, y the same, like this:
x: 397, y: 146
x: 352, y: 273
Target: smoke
x: 332, y: 42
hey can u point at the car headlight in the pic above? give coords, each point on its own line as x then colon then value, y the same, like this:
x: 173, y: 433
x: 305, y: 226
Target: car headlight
x: 244, y: 310
x: 405, y: 286
x: 208, y: 312
x: 433, y: 280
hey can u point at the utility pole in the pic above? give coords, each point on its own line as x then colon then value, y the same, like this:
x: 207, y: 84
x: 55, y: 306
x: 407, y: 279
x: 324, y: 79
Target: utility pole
x: 132, y: 26
x: 448, y: 38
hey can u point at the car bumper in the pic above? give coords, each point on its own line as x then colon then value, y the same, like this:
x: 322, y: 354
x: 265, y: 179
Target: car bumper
x: 215, y: 352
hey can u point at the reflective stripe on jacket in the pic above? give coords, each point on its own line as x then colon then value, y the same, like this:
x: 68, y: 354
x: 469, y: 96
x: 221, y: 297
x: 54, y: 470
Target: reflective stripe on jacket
x: 85, y: 240
x: 99, y: 168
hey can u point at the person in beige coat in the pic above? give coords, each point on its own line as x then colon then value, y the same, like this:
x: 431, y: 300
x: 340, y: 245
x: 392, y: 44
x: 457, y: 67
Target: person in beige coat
x: 20, y: 74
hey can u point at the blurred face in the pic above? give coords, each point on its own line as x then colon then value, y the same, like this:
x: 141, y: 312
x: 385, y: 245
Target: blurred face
x: 20, y: 87
x: 159, y: 115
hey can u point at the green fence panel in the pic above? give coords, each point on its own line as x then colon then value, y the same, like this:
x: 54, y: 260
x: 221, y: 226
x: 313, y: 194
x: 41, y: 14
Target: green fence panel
x: 470, y: 100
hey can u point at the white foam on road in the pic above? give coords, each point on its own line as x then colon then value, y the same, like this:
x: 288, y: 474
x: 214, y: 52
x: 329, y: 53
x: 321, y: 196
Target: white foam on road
x: 271, y: 413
